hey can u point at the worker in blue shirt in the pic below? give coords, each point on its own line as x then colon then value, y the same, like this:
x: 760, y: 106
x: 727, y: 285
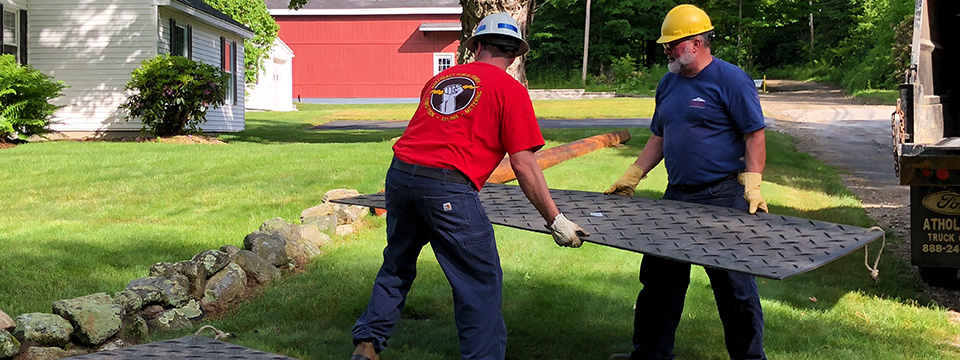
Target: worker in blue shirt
x: 708, y: 130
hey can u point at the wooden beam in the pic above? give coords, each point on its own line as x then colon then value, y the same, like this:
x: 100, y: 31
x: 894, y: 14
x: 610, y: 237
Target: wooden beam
x: 555, y: 155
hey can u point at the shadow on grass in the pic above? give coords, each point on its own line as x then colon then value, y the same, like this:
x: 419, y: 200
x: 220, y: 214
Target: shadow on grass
x: 263, y: 131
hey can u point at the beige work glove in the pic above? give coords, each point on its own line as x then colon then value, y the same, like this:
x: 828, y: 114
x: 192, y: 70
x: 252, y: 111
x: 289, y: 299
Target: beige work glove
x: 751, y: 191
x: 627, y: 184
x: 565, y: 232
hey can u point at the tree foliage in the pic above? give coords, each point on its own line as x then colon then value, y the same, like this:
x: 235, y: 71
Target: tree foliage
x: 253, y: 14
x: 617, y: 29
x: 854, y: 42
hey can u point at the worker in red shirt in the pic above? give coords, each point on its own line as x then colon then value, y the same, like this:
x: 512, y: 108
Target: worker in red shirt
x: 469, y: 117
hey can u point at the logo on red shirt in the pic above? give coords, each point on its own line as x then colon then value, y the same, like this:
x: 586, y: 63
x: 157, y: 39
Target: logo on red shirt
x: 452, y: 93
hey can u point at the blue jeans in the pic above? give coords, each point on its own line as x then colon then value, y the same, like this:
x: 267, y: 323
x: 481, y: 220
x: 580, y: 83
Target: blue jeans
x: 449, y: 216
x: 660, y: 302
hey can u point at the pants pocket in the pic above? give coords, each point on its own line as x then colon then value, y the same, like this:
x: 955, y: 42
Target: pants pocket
x: 449, y: 213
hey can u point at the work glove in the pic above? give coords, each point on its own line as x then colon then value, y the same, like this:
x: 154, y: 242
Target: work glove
x: 627, y: 184
x: 751, y: 191
x: 565, y: 232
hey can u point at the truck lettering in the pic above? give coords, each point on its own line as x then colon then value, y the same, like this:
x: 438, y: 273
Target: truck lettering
x: 937, y: 224
x: 935, y: 237
x: 944, y: 202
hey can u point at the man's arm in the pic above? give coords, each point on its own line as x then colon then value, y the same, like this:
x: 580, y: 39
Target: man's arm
x: 533, y: 184
x: 755, y: 157
x: 756, y: 152
x: 649, y: 157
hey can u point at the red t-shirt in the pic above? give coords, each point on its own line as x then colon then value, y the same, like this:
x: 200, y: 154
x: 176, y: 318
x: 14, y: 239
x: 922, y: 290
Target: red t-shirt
x: 469, y: 117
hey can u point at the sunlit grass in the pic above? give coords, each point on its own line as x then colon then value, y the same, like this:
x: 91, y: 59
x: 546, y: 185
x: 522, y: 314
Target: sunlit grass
x: 88, y: 217
x: 878, y: 97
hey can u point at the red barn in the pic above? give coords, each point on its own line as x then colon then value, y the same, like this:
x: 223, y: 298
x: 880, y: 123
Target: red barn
x: 382, y: 49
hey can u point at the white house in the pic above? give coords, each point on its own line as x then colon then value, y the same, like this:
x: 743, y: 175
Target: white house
x: 94, y: 45
x: 274, y: 88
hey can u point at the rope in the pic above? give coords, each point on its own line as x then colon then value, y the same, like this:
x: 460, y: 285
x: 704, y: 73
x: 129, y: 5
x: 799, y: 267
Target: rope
x: 220, y: 334
x: 874, y: 271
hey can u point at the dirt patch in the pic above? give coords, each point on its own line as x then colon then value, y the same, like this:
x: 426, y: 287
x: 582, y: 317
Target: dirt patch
x: 179, y: 139
x: 6, y: 145
x: 191, y: 139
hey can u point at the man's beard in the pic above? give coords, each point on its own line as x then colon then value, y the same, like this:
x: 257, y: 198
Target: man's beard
x: 675, y: 64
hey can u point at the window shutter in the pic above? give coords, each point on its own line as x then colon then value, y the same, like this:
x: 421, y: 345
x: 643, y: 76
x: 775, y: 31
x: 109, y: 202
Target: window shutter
x: 1, y: 29
x: 23, y: 36
x: 173, y: 33
x: 189, y: 42
x: 223, y: 53
x: 236, y: 69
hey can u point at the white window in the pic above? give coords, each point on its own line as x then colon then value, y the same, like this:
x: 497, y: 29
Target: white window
x: 229, y: 61
x: 442, y: 61
x: 11, y: 34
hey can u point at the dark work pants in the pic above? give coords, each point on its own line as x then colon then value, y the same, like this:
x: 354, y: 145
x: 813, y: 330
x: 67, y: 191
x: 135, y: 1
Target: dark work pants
x: 660, y: 303
x: 448, y: 216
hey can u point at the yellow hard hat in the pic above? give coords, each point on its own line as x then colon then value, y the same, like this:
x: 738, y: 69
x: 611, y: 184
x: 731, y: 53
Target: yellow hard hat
x: 682, y: 21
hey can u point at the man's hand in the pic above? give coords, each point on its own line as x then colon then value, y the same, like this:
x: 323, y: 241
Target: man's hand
x: 565, y: 232
x: 627, y: 184
x: 751, y: 191
x: 448, y: 101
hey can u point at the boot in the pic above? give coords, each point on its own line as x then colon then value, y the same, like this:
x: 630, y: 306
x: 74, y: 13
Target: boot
x: 365, y: 351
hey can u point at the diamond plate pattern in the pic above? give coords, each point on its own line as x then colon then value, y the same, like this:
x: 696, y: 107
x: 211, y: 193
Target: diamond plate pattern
x: 187, y: 347
x: 765, y: 245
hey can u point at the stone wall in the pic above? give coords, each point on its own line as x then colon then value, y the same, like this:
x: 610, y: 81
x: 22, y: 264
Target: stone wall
x: 568, y: 94
x: 177, y: 295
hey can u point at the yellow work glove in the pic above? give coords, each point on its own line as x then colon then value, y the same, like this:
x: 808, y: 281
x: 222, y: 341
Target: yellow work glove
x: 627, y: 184
x: 751, y: 191
x: 566, y: 232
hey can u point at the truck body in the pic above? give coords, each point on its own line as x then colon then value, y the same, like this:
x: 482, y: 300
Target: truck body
x: 927, y: 141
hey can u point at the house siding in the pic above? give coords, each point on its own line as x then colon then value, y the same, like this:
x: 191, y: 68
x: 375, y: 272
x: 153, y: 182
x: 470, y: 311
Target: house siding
x: 206, y: 49
x: 273, y: 90
x: 92, y: 47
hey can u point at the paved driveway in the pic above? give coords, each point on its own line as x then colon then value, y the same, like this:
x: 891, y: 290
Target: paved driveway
x: 544, y: 123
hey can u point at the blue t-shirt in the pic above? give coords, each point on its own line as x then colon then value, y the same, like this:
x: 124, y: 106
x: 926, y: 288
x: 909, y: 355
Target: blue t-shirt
x: 702, y: 121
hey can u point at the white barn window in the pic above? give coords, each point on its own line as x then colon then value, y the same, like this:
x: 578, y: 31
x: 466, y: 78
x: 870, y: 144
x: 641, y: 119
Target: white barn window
x: 442, y: 61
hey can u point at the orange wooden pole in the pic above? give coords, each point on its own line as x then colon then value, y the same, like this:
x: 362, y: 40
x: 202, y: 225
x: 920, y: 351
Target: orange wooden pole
x: 555, y: 155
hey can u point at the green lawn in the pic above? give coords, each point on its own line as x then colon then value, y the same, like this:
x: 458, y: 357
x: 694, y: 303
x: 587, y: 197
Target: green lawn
x: 84, y: 217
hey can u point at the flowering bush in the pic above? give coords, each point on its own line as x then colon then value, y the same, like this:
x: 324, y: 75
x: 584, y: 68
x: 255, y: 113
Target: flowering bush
x: 173, y: 94
x: 25, y: 95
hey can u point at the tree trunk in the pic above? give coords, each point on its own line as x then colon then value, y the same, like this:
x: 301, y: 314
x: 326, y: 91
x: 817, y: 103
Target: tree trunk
x: 475, y: 10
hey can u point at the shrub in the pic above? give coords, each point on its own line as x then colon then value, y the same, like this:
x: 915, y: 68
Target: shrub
x: 624, y: 68
x: 25, y: 95
x: 173, y: 94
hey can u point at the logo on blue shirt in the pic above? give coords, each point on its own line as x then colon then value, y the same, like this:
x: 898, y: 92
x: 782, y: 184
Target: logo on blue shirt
x: 698, y: 103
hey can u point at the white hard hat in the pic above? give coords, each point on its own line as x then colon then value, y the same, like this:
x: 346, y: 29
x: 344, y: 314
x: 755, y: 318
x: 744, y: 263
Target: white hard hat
x: 498, y: 24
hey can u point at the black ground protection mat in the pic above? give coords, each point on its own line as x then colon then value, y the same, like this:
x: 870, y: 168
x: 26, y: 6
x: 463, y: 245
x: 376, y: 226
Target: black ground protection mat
x: 765, y: 245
